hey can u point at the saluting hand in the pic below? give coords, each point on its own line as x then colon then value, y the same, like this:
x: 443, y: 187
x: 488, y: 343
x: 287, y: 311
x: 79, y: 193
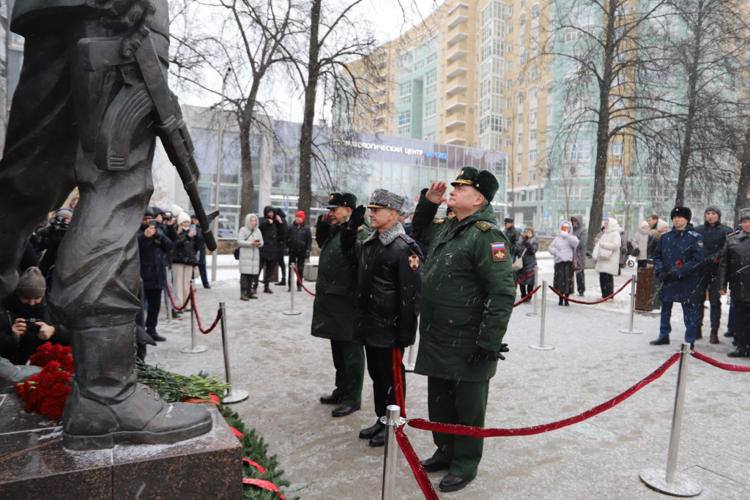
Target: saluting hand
x: 436, y: 192
x: 357, y: 218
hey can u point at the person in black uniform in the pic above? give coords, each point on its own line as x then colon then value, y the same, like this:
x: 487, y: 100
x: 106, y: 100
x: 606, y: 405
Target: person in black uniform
x: 389, y: 283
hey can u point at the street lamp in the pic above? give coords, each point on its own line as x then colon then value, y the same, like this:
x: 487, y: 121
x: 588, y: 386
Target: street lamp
x: 215, y: 253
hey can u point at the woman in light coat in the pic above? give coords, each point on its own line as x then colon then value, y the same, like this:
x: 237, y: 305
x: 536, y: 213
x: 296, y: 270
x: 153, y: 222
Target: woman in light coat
x: 609, y: 256
x: 562, y: 248
x: 249, y: 240
x: 640, y: 244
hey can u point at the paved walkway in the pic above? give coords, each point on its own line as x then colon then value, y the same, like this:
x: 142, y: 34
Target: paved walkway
x: 285, y: 369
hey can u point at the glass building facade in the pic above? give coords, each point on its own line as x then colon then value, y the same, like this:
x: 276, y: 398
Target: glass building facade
x: 357, y: 164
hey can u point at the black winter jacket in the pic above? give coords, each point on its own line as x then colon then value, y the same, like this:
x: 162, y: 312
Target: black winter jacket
x: 273, y: 235
x: 714, y: 238
x: 529, y: 259
x: 185, y: 249
x: 18, y: 352
x: 153, y: 252
x: 735, y: 267
x: 298, y: 238
x: 389, y: 286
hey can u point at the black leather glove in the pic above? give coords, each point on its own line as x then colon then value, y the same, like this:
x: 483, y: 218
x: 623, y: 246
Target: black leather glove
x: 504, y: 348
x: 636, y: 252
x: 662, y: 276
x: 357, y: 218
x: 671, y: 276
x: 483, y: 355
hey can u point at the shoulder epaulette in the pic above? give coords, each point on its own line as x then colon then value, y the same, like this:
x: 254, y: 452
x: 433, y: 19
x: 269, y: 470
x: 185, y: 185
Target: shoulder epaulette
x: 693, y: 233
x: 407, y: 238
x: 483, y: 225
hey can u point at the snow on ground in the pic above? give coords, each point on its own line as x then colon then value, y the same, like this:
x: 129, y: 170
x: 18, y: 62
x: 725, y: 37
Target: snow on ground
x: 285, y: 370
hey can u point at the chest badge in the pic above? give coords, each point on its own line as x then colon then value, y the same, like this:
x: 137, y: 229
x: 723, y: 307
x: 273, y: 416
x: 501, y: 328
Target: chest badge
x: 498, y: 251
x: 414, y: 262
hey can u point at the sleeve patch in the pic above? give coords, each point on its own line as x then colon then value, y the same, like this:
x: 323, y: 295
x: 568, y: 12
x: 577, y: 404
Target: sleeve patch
x: 414, y: 262
x: 700, y: 243
x: 498, y: 251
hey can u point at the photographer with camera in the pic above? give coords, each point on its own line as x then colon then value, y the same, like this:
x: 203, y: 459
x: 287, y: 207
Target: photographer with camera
x: 26, y: 321
x: 50, y: 237
x: 153, y: 244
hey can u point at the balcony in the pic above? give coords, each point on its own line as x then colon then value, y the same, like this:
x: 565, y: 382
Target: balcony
x: 455, y: 104
x: 455, y: 89
x: 460, y: 36
x: 381, y: 64
x: 378, y: 92
x: 457, y: 71
x: 455, y: 140
x: 459, y: 51
x: 455, y: 123
x: 459, y: 5
x: 459, y: 19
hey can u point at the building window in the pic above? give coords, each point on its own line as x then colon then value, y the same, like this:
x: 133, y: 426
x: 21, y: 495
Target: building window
x: 577, y: 150
x: 616, y: 149
x: 404, y: 89
x: 507, y: 123
x: 404, y: 118
x: 532, y: 134
x: 508, y: 84
x: 520, y: 118
x: 430, y: 82
x: 615, y: 171
x: 507, y: 141
x: 532, y: 116
x: 519, y: 138
x: 508, y: 103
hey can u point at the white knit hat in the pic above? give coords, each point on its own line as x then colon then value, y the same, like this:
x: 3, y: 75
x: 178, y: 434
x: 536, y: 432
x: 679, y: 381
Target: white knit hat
x: 176, y: 210
x: 183, y: 217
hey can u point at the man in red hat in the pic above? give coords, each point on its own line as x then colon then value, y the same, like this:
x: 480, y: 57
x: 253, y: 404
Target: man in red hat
x: 299, y: 243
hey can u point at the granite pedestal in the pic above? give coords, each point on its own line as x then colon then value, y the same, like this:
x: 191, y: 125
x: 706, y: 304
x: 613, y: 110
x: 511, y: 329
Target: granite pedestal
x: 34, y: 464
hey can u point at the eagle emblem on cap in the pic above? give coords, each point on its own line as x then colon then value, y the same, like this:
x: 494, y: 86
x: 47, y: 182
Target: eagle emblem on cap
x: 414, y: 262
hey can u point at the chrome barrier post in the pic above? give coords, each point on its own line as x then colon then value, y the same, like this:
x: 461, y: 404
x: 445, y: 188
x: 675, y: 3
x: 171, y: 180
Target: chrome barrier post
x: 536, y: 302
x: 233, y: 395
x: 391, y: 420
x: 541, y: 346
x: 292, y: 288
x: 673, y: 483
x: 632, y: 309
x: 193, y: 349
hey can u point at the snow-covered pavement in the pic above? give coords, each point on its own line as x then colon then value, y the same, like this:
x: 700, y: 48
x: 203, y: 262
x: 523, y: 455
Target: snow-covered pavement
x: 285, y: 370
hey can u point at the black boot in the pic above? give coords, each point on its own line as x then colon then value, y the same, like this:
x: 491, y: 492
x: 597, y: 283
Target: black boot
x: 108, y: 406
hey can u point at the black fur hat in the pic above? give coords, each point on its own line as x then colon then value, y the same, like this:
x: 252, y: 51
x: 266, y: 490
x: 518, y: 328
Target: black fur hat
x: 681, y: 212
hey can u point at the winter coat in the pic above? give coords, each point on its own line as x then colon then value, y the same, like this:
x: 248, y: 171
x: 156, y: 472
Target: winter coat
x: 714, y: 238
x: 18, y: 352
x: 153, y: 252
x: 200, y: 246
x: 298, y: 238
x: 249, y: 253
x: 582, y: 234
x: 640, y: 242
x: 685, y: 246
x: 336, y: 287
x: 273, y: 235
x: 735, y: 267
x: 623, y: 247
x: 389, y: 283
x: 608, y: 260
x: 529, y: 259
x: 513, y: 234
x: 184, y: 251
x: 467, y: 292
x: 409, y: 230
x: 563, y: 246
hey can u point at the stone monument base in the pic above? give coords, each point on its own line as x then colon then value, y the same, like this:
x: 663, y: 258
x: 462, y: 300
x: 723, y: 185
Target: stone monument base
x: 34, y: 464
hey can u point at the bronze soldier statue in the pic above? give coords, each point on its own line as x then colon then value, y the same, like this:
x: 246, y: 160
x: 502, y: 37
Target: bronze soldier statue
x: 90, y: 102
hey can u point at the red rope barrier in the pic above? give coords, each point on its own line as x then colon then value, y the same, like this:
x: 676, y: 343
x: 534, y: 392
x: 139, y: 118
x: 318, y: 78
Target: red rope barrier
x: 416, y: 465
x: 465, y: 430
x: 719, y: 364
x: 198, y: 318
x: 299, y: 282
x: 528, y: 296
x: 524, y: 278
x: 591, y: 303
x: 174, y: 306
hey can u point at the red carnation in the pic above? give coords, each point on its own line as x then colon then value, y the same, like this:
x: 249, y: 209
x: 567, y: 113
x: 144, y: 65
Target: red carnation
x: 680, y: 264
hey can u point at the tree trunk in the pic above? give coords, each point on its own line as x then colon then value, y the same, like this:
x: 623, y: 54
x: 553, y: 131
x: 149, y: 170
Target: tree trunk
x: 306, y: 134
x: 247, y: 190
x: 743, y: 183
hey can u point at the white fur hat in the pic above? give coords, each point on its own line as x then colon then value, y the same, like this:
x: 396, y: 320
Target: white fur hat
x: 183, y: 217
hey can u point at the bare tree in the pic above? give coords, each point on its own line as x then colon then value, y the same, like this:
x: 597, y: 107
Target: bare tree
x: 240, y: 40
x: 599, y: 46
x: 333, y: 38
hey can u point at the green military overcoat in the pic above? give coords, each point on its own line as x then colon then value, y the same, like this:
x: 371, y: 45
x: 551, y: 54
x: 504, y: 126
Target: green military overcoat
x: 336, y: 287
x: 467, y: 292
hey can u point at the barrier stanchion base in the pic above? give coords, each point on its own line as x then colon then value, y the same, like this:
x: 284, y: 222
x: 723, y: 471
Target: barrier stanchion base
x: 291, y: 313
x: 633, y: 332
x: 682, y: 486
x: 235, y: 396
x: 194, y: 350
x: 542, y: 347
x: 532, y: 315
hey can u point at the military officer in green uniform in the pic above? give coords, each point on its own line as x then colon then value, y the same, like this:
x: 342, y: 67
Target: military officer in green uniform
x: 335, y: 303
x: 467, y: 299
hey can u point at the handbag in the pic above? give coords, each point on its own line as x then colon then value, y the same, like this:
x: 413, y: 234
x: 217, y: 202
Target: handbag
x: 595, y: 253
x: 236, y: 253
x: 518, y: 263
x: 577, y: 264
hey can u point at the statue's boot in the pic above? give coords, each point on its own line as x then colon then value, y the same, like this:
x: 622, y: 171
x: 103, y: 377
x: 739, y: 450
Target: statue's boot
x: 108, y: 406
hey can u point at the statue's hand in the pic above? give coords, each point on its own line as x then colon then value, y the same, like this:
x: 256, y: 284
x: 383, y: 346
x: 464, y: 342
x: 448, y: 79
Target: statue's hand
x: 122, y: 14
